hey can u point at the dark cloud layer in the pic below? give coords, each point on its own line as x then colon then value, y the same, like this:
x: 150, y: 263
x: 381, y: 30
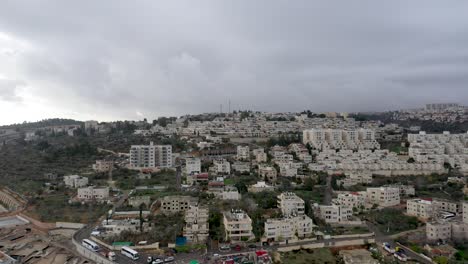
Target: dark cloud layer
x: 117, y: 58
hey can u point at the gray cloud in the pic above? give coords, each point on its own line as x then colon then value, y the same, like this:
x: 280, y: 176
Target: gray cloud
x: 9, y: 90
x: 119, y: 58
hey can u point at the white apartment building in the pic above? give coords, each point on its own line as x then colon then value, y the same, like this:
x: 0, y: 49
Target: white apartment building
x: 243, y: 152
x: 237, y: 225
x: 286, y: 228
x: 93, y: 193
x: 290, y: 204
x: 420, y: 208
x: 261, y: 157
x: 196, y: 224
x: 150, y: 156
x: 447, y: 206
x: 192, y: 166
x: 351, y: 199
x: 322, y: 139
x: 260, y: 186
x: 222, y: 166
x: 438, y: 231
x: 75, y: 181
x: 383, y: 196
x: 103, y: 166
x: 240, y: 166
x: 268, y: 173
x: 334, y: 214
x: 177, y: 203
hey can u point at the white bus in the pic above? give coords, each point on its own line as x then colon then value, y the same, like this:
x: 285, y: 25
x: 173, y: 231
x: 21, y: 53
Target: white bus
x: 126, y: 251
x: 90, y: 245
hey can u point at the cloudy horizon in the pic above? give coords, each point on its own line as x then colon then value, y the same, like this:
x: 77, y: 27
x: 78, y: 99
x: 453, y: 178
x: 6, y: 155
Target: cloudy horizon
x: 109, y: 60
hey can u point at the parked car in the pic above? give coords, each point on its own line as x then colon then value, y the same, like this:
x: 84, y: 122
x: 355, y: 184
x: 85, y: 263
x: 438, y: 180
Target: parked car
x: 169, y: 259
x: 252, y: 246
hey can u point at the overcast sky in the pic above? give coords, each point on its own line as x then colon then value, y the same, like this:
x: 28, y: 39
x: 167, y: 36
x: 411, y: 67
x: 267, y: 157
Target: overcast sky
x: 108, y: 60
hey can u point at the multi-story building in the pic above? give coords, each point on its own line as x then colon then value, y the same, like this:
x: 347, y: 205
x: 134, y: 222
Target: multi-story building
x: 441, y: 106
x: 196, y: 224
x: 177, y: 203
x: 383, y: 196
x: 290, y: 204
x: 288, y: 228
x: 222, y: 166
x: 261, y: 157
x: 438, y: 231
x: 103, y: 165
x: 268, y: 173
x: 137, y: 201
x: 240, y: 166
x: 93, y: 193
x: 323, y: 139
x: 243, y: 152
x: 420, y: 208
x: 447, y: 206
x: 192, y: 166
x: 351, y: 199
x: 237, y: 225
x: 150, y: 156
x: 334, y: 213
x: 75, y: 181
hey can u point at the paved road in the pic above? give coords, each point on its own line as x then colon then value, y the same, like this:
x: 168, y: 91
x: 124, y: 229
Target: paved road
x: 381, y: 238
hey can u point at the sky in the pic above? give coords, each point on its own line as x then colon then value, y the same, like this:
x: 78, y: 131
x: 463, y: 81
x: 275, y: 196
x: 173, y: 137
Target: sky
x: 110, y: 59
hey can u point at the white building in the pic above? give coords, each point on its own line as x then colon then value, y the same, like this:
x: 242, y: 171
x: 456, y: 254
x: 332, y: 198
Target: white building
x: 291, y: 204
x: 267, y: 173
x: 150, y: 156
x: 260, y: 186
x: 261, y: 157
x: 93, y: 193
x: 196, y: 224
x: 177, y: 203
x: 243, y: 152
x: 103, y: 165
x: 192, y: 166
x: 419, y: 208
x: 322, y: 139
x: 222, y: 166
x: 288, y: 228
x: 352, y: 199
x: 334, y: 213
x: 383, y: 196
x: 237, y: 225
x: 75, y: 181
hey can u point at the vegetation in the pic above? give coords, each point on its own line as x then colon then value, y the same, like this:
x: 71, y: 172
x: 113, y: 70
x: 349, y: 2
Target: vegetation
x: 392, y: 221
x: 318, y: 256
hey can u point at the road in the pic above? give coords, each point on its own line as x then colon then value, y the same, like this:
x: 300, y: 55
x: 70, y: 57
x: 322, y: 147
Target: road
x: 381, y: 238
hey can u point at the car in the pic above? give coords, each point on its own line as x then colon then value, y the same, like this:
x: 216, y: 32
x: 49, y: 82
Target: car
x: 225, y: 248
x: 252, y: 246
x: 237, y: 248
x: 158, y: 261
x: 216, y: 255
x: 169, y: 259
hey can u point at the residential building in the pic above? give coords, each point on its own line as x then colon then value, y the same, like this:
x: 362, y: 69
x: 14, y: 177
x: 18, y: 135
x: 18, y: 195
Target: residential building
x: 237, y: 225
x: 192, y: 166
x: 288, y: 228
x: 291, y: 204
x: 241, y: 166
x: 93, y: 193
x: 222, y: 166
x: 383, y: 196
x: 268, y: 173
x: 136, y: 201
x: 322, y: 139
x: 357, y: 256
x: 75, y: 181
x: 352, y: 199
x: 177, y: 203
x: 243, y: 152
x: 334, y: 214
x: 196, y: 224
x: 447, y: 206
x: 420, y: 208
x: 197, y: 178
x: 103, y: 165
x: 441, y: 230
x: 261, y: 157
x: 150, y: 156
x: 260, y: 186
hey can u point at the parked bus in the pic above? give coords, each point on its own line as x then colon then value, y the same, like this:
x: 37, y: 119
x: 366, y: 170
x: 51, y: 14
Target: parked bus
x: 90, y: 245
x: 130, y: 253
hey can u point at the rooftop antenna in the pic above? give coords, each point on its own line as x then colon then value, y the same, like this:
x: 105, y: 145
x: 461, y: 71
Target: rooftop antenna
x: 221, y: 108
x: 229, y: 107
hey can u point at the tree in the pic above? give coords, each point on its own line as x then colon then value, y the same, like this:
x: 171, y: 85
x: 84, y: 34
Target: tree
x: 411, y: 160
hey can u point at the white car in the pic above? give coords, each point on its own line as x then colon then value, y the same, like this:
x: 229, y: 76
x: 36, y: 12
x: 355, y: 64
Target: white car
x: 169, y: 259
